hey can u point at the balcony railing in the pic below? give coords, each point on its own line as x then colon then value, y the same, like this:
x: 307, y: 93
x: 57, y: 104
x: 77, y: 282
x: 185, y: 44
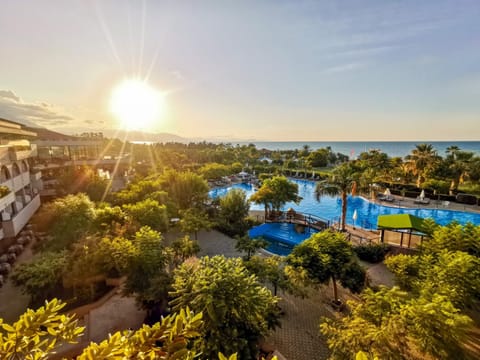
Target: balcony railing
x: 7, y: 200
x: 13, y: 226
x: 16, y: 155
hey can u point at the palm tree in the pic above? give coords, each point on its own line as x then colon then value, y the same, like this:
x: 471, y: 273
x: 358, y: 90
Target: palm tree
x: 340, y: 182
x: 460, y: 166
x: 421, y: 161
x: 453, y: 150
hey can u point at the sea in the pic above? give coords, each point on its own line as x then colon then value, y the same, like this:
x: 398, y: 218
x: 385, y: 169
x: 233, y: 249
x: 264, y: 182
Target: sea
x: 354, y: 148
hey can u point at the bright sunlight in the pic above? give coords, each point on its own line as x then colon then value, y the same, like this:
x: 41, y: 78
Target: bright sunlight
x: 136, y: 104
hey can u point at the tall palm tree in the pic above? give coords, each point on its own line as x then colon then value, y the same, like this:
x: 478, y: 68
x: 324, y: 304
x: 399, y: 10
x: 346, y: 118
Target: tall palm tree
x: 340, y: 182
x: 460, y: 166
x: 422, y: 160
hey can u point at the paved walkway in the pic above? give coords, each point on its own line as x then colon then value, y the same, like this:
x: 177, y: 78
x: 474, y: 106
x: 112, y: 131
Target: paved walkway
x: 13, y: 302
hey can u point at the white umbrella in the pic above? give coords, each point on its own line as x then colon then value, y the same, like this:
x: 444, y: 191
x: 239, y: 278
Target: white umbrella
x: 387, y: 192
x: 354, y: 217
x: 422, y: 195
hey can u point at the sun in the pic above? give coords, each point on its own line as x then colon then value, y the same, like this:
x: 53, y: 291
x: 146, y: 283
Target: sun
x: 136, y: 104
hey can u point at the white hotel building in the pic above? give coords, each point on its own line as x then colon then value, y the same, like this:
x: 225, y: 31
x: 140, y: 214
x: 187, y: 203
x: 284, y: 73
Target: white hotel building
x: 19, y: 187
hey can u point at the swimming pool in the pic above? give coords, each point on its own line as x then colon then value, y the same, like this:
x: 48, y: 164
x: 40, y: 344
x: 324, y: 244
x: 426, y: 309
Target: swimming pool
x: 330, y: 208
x: 282, y: 237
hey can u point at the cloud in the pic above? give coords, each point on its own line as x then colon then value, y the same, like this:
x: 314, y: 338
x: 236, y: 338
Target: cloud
x: 8, y: 94
x: 343, y: 68
x: 41, y: 113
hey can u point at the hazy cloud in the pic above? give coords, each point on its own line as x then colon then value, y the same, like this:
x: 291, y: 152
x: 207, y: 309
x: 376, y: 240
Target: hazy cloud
x: 342, y: 68
x: 41, y: 113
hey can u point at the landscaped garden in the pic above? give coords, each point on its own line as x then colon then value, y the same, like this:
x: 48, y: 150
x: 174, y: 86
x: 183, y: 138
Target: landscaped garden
x: 147, y: 234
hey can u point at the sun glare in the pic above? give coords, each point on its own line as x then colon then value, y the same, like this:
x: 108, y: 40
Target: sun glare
x: 136, y: 104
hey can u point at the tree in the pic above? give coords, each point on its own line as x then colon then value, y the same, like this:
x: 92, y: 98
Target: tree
x: 326, y: 256
x: 390, y: 324
x: 41, y: 276
x: 67, y: 219
x: 38, y: 333
x: 184, y: 248
x: 271, y: 270
x: 454, y: 237
x: 147, y: 276
x: 107, y: 218
x: 140, y: 190
x: 237, y: 310
x: 214, y: 171
x: 82, y: 179
x: 234, y: 208
x: 148, y: 213
x: 422, y: 161
x: 456, y: 275
x: 194, y: 220
x: 339, y: 182
x: 249, y: 246
x: 275, y: 193
x: 318, y: 158
x: 186, y: 189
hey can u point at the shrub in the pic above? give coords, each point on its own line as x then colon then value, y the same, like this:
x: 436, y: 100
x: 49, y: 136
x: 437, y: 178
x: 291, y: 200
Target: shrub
x: 373, y: 253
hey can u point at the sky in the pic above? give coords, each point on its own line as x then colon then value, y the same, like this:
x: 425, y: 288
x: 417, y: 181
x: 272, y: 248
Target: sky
x: 254, y: 70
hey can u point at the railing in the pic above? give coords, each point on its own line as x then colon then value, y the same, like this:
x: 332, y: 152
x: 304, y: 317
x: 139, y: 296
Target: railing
x: 13, y: 226
x: 16, y: 155
x: 310, y: 220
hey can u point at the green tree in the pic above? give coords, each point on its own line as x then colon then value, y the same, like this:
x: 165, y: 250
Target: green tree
x: 455, y: 275
x: 422, y: 161
x: 184, y: 248
x: 233, y: 213
x: 194, y: 220
x: 340, y: 182
x: 140, y: 190
x: 214, y: 171
x: 237, y: 310
x: 186, y: 189
x: 275, y: 193
x: 82, y: 179
x: 271, y: 270
x: 390, y: 324
x: 107, y: 218
x: 114, y: 255
x: 148, y: 213
x: 454, y: 237
x: 147, y: 276
x: 39, y: 333
x: 249, y: 246
x: 318, y: 158
x: 41, y: 276
x: 67, y: 219
x: 329, y: 256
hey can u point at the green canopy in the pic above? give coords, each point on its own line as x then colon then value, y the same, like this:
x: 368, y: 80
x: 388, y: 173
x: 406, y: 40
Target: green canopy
x: 401, y: 221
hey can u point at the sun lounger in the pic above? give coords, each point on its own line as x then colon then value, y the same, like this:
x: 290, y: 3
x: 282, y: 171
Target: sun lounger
x: 422, y: 201
x: 388, y: 198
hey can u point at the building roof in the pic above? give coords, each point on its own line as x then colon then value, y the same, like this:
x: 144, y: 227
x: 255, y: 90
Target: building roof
x: 401, y: 222
x: 47, y: 137
x: 14, y: 128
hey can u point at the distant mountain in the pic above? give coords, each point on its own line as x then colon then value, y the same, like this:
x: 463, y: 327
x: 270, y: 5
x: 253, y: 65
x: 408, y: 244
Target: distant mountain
x: 144, y: 136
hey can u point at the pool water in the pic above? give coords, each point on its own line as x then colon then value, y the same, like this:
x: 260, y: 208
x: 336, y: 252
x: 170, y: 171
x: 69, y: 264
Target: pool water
x: 282, y: 237
x: 330, y: 208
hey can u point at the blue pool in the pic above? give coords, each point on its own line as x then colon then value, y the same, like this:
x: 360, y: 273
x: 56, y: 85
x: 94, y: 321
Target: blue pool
x: 329, y: 208
x: 282, y: 237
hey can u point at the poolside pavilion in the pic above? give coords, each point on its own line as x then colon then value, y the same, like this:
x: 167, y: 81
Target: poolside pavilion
x: 403, y: 230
